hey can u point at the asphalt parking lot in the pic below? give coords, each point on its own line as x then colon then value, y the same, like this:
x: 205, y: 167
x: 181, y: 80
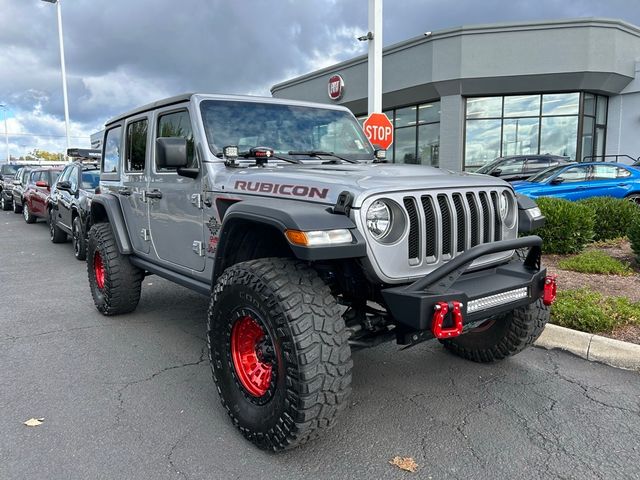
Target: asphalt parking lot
x: 132, y: 397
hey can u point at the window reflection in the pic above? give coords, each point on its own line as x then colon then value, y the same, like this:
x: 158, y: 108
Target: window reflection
x: 429, y: 144
x: 520, y: 136
x: 484, y: 107
x: 558, y: 136
x: 483, y: 142
x: 522, y: 106
x: 405, y: 149
x: 560, y: 103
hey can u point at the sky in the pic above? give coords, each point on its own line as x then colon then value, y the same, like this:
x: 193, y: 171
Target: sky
x: 121, y: 54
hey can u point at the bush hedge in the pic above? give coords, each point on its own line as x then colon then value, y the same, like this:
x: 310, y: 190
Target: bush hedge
x: 612, y: 216
x: 591, y: 312
x: 568, y: 227
x: 633, y: 233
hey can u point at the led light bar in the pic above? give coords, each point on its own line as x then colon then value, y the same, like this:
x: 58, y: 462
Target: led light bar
x: 491, y: 301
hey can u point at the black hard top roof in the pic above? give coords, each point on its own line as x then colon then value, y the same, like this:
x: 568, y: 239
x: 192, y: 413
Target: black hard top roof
x: 152, y: 106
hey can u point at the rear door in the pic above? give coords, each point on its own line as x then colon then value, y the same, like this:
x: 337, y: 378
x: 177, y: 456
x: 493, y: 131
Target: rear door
x: 176, y: 218
x: 63, y: 199
x: 609, y: 181
x: 135, y: 179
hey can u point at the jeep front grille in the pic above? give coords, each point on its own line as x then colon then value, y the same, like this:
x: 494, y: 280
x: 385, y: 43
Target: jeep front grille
x: 451, y: 223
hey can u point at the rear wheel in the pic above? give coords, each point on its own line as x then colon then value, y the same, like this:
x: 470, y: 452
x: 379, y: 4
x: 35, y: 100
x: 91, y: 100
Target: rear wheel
x: 279, y: 351
x: 634, y: 197
x: 503, y: 336
x: 17, y: 208
x: 4, y: 203
x: 115, y: 283
x: 55, y: 234
x: 78, y: 240
x: 26, y: 213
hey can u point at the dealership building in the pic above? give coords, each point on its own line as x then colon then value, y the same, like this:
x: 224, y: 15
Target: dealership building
x: 459, y: 98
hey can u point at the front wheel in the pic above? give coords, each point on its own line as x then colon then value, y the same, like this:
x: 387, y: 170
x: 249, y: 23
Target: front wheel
x: 4, y: 203
x: 17, y: 208
x: 115, y: 283
x: 279, y: 351
x: 502, y: 336
x: 55, y: 233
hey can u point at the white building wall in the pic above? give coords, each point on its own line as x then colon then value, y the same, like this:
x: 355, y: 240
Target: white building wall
x: 623, y: 125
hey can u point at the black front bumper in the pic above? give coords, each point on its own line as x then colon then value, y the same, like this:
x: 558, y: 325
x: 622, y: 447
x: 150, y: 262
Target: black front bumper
x: 412, y: 306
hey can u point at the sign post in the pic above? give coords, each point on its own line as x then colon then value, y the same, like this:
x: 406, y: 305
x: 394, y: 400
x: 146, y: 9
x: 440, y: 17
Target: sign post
x: 379, y: 130
x: 375, y: 56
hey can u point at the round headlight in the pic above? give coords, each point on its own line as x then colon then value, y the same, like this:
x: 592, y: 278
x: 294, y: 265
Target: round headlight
x: 504, y: 205
x: 379, y: 219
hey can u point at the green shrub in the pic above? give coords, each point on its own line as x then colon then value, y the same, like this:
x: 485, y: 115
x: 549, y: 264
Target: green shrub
x: 634, y: 236
x: 569, y: 225
x: 591, y: 312
x: 612, y: 216
x: 596, y: 261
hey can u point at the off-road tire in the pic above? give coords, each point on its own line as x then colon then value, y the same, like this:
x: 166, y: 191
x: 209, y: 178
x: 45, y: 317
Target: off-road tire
x: 311, y: 377
x: 78, y: 240
x: 17, y: 208
x: 508, y: 335
x: 55, y: 233
x: 4, y: 204
x: 26, y: 213
x: 121, y: 281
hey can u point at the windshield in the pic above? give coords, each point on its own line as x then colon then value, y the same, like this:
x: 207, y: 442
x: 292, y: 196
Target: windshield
x: 489, y: 166
x: 90, y: 179
x: 545, y: 175
x: 284, y: 128
x: 9, y: 169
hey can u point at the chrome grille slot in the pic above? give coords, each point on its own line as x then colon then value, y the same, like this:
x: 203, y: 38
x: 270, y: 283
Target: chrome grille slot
x: 447, y: 225
x: 413, y: 246
x: 430, y: 228
x: 460, y: 222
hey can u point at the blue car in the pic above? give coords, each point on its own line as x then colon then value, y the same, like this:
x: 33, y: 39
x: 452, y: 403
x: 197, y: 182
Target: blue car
x: 583, y: 180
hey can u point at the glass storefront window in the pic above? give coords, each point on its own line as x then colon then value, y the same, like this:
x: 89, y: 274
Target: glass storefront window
x: 558, y: 136
x: 560, y: 103
x: 406, y: 117
x: 429, y: 112
x: 601, y: 112
x: 520, y: 136
x: 484, y: 107
x: 522, y: 106
x: 482, y: 142
x: 589, y: 105
x: 405, y: 145
x: 429, y: 144
x: 587, y: 138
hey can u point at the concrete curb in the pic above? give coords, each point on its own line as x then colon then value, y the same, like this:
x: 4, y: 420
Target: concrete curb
x: 591, y: 347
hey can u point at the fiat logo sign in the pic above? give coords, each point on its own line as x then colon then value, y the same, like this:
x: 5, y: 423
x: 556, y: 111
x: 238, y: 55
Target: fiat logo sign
x: 336, y: 87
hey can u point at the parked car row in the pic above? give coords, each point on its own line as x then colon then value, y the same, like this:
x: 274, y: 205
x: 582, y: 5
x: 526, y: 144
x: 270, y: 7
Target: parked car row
x: 60, y: 195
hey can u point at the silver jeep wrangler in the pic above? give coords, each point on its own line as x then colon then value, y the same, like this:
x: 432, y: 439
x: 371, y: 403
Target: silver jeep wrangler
x: 309, y: 245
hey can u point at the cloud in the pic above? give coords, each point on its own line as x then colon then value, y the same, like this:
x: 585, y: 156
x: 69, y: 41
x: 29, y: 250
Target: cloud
x: 121, y: 54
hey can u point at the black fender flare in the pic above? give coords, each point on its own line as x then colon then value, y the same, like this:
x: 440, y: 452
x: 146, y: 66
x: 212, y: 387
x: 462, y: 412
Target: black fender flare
x: 108, y: 204
x: 287, y: 214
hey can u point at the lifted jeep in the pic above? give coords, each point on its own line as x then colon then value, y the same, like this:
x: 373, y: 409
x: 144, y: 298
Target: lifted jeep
x: 309, y: 246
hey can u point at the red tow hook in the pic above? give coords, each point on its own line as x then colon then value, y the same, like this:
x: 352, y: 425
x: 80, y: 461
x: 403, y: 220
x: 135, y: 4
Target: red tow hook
x: 441, y: 311
x: 550, y: 289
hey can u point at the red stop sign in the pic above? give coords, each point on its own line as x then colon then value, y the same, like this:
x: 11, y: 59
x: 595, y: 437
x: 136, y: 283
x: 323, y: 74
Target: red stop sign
x: 379, y: 130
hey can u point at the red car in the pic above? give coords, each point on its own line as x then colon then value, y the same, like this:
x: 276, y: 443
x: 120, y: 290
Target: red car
x: 37, y: 191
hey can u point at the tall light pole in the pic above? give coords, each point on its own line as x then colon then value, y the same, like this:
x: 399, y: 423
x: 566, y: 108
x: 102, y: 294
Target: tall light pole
x: 6, y: 130
x: 64, y: 71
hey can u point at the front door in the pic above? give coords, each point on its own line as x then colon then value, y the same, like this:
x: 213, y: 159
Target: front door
x: 135, y: 179
x: 574, y: 184
x: 176, y: 218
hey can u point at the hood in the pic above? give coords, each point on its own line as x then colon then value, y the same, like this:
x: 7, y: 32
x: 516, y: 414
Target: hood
x: 323, y: 183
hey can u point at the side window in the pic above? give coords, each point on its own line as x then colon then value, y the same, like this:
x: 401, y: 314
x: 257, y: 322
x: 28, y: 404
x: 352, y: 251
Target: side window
x: 65, y: 174
x: 574, y: 174
x: 73, y: 178
x: 178, y: 124
x: 136, y: 145
x: 536, y: 164
x: 35, y: 176
x: 111, y: 158
x: 623, y: 172
x: 511, y: 166
x: 604, y: 172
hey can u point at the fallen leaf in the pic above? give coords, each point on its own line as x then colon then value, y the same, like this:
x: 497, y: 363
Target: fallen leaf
x: 34, y: 422
x: 407, y: 464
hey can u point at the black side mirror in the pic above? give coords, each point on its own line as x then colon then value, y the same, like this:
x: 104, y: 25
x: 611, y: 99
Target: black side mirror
x: 171, y: 152
x: 557, y: 181
x: 496, y: 173
x: 1, y: 177
x: 64, y: 185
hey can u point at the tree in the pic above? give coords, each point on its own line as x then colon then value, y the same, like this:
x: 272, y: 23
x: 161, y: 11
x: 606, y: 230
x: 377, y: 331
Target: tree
x: 47, y: 156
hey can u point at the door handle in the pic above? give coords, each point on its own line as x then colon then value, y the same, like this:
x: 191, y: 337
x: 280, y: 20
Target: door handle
x: 124, y: 191
x: 153, y: 194
x: 623, y: 184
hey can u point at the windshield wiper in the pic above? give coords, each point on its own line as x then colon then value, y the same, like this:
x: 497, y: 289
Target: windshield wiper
x: 320, y: 153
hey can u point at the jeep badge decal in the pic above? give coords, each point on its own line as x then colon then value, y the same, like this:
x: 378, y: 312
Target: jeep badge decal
x: 289, y: 190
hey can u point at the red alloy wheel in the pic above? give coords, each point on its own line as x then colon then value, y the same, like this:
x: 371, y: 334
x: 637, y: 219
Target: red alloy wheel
x: 254, y: 374
x: 98, y: 270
